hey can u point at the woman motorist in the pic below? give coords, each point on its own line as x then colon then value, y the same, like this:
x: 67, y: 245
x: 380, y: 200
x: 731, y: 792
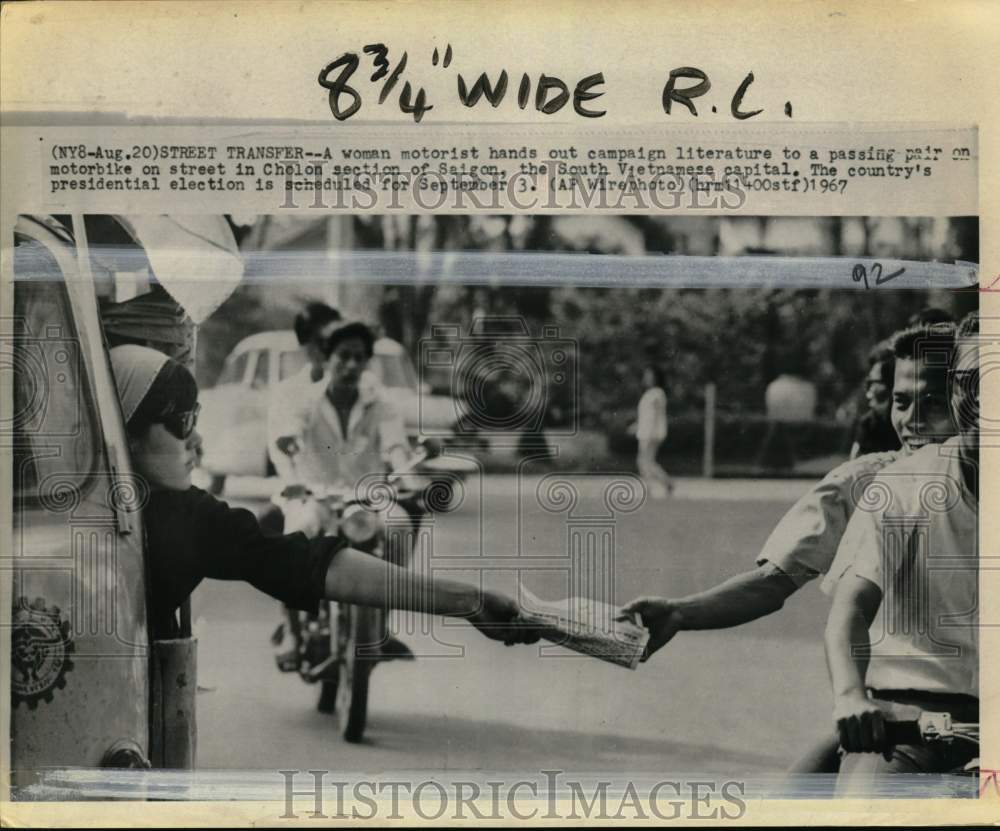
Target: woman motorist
x: 191, y: 535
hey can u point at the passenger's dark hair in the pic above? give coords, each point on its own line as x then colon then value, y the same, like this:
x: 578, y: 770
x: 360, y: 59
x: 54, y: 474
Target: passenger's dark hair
x: 173, y: 390
x: 314, y: 316
x: 881, y: 354
x: 930, y: 315
x: 935, y: 343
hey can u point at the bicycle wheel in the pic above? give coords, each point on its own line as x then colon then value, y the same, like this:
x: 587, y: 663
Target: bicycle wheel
x: 357, y: 632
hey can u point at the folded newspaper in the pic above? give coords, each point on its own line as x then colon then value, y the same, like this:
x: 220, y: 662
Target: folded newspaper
x: 590, y: 627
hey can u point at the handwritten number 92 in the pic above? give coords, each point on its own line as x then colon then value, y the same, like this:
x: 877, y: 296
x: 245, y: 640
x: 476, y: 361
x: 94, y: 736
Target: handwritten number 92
x: 860, y: 274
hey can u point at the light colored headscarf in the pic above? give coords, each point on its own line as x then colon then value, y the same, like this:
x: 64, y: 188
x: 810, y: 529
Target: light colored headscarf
x: 135, y: 368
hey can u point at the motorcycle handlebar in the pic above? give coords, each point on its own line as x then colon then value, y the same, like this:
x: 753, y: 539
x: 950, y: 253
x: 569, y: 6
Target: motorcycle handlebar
x: 928, y: 727
x: 903, y: 732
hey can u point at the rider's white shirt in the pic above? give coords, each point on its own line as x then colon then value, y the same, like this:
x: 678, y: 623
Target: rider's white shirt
x: 804, y: 542
x: 327, y: 455
x: 915, y: 536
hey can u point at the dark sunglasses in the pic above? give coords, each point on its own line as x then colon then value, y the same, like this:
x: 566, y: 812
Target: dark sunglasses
x: 181, y: 425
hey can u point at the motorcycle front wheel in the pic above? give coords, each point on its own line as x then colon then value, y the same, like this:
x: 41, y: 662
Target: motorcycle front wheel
x: 327, y: 703
x: 357, y: 630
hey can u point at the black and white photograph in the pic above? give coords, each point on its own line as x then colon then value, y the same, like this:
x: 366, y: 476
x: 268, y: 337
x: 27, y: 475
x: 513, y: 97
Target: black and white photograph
x: 462, y: 413
x: 628, y: 496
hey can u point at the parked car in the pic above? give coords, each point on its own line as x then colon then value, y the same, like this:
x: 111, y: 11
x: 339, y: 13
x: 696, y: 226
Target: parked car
x: 233, y: 419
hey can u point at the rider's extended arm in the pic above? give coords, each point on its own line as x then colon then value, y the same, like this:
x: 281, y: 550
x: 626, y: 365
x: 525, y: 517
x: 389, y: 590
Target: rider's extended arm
x: 738, y: 600
x: 847, y: 641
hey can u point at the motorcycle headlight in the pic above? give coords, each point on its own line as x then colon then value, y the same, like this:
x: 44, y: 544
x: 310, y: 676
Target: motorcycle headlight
x: 359, y: 525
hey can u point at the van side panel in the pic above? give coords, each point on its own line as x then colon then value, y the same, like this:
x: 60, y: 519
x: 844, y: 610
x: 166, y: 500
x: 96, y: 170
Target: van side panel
x: 80, y: 656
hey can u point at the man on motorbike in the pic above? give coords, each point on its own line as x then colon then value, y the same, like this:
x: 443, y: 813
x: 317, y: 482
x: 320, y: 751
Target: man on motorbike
x: 339, y: 432
x: 904, y: 625
x: 804, y: 543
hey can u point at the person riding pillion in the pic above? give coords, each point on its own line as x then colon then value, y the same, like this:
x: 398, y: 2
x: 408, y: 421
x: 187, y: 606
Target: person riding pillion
x: 312, y: 324
x: 804, y: 543
x: 904, y: 625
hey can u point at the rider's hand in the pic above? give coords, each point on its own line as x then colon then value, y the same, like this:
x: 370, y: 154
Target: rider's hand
x: 499, y: 618
x: 289, y: 445
x: 659, y: 615
x: 860, y: 723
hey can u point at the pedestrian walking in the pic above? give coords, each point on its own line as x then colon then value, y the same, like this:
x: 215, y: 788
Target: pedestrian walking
x: 651, y: 432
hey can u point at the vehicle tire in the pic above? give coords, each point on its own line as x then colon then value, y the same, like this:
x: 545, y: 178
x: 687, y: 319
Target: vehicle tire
x: 356, y: 627
x: 217, y: 483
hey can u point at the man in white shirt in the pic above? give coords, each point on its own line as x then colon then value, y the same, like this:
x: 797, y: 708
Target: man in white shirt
x: 805, y: 541
x: 341, y: 430
x: 337, y: 430
x: 803, y: 544
x: 904, y: 623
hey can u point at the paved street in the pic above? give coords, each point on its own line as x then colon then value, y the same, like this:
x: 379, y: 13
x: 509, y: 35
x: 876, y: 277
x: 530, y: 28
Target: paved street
x: 721, y: 702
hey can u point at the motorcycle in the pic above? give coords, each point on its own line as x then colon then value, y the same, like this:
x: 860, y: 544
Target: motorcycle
x: 340, y: 645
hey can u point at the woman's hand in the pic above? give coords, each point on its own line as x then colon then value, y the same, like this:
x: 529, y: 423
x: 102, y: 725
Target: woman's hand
x: 499, y: 618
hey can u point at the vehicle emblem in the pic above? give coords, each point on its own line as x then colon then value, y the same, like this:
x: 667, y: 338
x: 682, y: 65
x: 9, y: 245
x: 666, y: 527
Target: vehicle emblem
x: 41, y: 647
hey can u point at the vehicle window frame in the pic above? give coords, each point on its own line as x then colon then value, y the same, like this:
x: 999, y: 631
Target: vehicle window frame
x: 259, y: 356
x: 97, y: 462
x: 298, y: 358
x: 235, y: 359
